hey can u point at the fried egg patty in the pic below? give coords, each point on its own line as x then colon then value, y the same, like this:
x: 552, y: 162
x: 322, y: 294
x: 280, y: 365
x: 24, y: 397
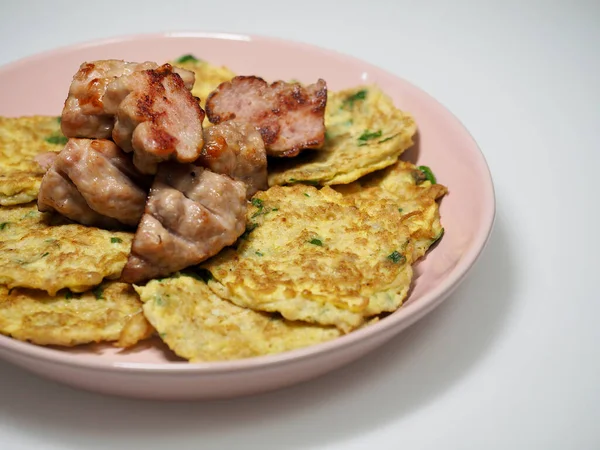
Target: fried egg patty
x: 199, y: 326
x: 315, y: 256
x: 21, y: 139
x: 41, y: 251
x: 111, y: 312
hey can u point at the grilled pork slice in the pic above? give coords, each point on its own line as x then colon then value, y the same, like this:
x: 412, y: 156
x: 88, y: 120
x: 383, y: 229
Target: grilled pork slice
x: 156, y: 117
x: 236, y: 149
x: 290, y: 117
x: 191, y: 214
x: 84, y: 114
x: 59, y: 194
x: 93, y: 182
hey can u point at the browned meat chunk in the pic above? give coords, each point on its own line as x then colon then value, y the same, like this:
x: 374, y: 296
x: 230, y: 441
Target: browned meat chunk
x: 156, y: 117
x: 58, y: 193
x: 236, y: 149
x: 191, y: 214
x: 84, y: 115
x: 93, y: 182
x: 289, y: 117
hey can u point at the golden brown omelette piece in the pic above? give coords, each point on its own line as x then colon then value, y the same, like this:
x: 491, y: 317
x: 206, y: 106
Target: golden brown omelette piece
x: 208, y: 76
x: 313, y: 255
x: 21, y: 139
x: 111, y: 312
x: 365, y: 133
x: 199, y: 326
x: 414, y: 193
x: 41, y: 251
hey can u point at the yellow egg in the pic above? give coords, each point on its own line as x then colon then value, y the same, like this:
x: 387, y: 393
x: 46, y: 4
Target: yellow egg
x: 21, y: 139
x: 199, y: 326
x: 313, y: 255
x: 41, y: 251
x: 112, y: 312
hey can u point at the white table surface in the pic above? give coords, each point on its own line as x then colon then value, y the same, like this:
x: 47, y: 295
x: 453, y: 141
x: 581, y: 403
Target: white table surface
x: 512, y: 359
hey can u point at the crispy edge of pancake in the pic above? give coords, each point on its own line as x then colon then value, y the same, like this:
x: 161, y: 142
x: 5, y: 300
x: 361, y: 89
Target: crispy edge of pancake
x: 21, y: 140
x: 417, y: 199
x: 200, y: 326
x: 314, y: 256
x: 42, y: 251
x: 19, y: 187
x: 112, y: 312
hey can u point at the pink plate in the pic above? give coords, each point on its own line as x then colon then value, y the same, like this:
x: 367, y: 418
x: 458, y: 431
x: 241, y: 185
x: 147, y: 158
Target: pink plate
x: 149, y: 372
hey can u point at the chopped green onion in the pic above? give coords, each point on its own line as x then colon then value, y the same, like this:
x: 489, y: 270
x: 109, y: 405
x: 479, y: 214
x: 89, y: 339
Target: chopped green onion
x: 349, y: 102
x: 98, y: 292
x: 187, y: 58
x: 249, y: 228
x: 57, y: 139
x: 428, y: 174
x: 115, y: 240
x: 396, y: 257
x: 367, y: 136
x: 316, y: 241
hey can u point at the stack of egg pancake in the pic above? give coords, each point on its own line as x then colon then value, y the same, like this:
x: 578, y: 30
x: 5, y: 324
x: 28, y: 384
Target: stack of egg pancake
x: 329, y: 247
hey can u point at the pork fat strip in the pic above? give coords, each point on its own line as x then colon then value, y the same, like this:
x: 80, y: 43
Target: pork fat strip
x: 290, y: 117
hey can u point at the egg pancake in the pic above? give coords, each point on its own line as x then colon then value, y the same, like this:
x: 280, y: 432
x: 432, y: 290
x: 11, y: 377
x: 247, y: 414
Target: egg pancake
x: 413, y: 192
x: 313, y: 255
x: 18, y: 187
x: 41, y: 251
x: 21, y: 139
x: 208, y: 76
x: 199, y: 326
x: 365, y: 133
x: 104, y: 314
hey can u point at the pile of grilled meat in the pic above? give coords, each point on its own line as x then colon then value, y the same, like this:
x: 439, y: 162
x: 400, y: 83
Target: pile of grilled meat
x: 137, y: 156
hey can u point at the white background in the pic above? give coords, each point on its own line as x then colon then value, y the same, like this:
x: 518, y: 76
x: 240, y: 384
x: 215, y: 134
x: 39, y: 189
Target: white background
x: 512, y: 360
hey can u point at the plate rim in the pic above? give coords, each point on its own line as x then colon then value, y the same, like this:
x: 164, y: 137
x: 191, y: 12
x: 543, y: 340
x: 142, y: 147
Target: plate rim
x: 393, y: 324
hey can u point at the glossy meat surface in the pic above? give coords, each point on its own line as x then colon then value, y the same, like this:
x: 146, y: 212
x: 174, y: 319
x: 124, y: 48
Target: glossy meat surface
x: 290, y: 117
